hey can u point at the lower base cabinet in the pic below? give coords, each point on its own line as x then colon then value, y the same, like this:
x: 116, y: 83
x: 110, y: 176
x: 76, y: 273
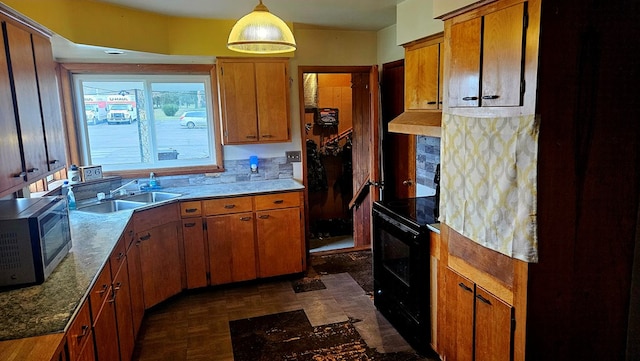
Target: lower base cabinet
x: 232, y: 252
x: 479, y: 326
x: 105, y: 331
x: 122, y: 297
x: 279, y: 242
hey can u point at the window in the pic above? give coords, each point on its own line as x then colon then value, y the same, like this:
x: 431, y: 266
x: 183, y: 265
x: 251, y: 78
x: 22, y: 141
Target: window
x: 138, y: 122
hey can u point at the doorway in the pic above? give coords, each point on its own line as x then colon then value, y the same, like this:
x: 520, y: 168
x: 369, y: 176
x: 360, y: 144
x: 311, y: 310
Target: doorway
x: 338, y: 158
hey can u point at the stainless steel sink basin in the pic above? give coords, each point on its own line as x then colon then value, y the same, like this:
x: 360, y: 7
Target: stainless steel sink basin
x: 152, y: 197
x: 112, y: 206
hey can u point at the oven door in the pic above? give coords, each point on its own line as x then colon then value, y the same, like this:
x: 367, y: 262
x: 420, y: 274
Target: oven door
x: 401, y: 274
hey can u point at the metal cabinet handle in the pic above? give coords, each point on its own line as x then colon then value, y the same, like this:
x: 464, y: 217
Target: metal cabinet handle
x: 278, y: 201
x: 103, y: 290
x: 469, y: 98
x: 432, y: 102
x: 55, y: 161
x: 251, y: 137
x: 263, y: 216
x: 32, y: 170
x: 229, y: 206
x: 245, y: 219
x: 20, y: 175
x: 407, y: 182
x: 117, y: 286
x: 465, y: 287
x: 120, y: 256
x: 189, y: 225
x: 267, y: 136
x: 490, y: 97
x: 483, y: 300
x: 145, y: 237
x: 190, y: 210
x: 85, y: 331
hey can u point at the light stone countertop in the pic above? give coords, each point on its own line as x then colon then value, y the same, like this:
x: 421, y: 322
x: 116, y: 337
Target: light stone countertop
x: 48, y: 308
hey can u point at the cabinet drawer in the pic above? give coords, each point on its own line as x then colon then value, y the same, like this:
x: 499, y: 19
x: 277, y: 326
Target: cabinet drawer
x: 280, y: 200
x: 79, y: 331
x: 227, y: 205
x: 100, y: 291
x: 190, y: 209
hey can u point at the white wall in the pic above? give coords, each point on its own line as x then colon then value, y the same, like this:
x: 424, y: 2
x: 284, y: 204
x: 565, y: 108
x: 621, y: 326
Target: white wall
x: 414, y: 20
x: 387, y: 48
x: 441, y: 7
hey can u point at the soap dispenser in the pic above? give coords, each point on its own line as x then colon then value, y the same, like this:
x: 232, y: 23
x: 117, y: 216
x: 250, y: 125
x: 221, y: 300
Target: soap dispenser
x: 153, y: 182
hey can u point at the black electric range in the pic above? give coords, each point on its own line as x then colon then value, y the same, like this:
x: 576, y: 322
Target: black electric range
x: 420, y: 211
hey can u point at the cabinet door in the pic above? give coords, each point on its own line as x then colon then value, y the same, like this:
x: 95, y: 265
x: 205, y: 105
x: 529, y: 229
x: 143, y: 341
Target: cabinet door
x: 272, y: 95
x: 135, y: 285
x: 232, y: 255
x: 50, y: 103
x: 279, y: 242
x: 27, y: 100
x: 458, y: 343
x: 87, y: 353
x: 122, y: 296
x: 105, y: 331
x: 421, y: 77
x: 238, y: 102
x: 11, y: 172
x: 502, y: 51
x: 493, y: 328
x: 464, y: 74
x: 79, y: 333
x: 160, y: 263
x: 195, y: 252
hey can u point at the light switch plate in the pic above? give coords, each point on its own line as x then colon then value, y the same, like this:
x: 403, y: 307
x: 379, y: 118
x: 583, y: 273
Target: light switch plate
x: 292, y: 156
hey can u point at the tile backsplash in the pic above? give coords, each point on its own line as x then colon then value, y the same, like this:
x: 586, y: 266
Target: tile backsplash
x: 428, y: 156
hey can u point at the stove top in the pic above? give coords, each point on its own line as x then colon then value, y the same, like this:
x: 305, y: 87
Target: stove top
x: 420, y: 210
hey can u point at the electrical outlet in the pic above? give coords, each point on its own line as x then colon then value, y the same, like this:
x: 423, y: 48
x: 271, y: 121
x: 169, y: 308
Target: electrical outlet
x: 292, y: 156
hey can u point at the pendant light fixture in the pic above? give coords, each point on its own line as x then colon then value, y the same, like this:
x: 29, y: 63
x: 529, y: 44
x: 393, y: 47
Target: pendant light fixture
x: 261, y: 32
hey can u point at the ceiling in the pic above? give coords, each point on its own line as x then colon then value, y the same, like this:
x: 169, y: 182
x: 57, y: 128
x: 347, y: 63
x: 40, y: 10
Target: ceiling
x: 364, y: 15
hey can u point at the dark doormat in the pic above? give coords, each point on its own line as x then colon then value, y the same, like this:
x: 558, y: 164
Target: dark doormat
x: 307, y: 284
x: 290, y: 336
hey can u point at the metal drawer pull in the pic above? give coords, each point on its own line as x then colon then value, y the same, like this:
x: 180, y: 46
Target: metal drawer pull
x: 103, y: 290
x: 33, y: 170
x: 145, y: 237
x: 251, y: 136
x: 20, y: 175
x: 469, y: 98
x: 483, y: 299
x: 229, y: 206
x: 191, y: 210
x: 118, y: 286
x: 85, y: 331
x: 490, y: 97
x: 189, y: 225
x: 55, y: 161
x: 432, y: 102
x: 278, y: 201
x: 465, y: 287
x: 245, y: 219
x: 120, y: 256
x: 264, y: 216
x: 267, y: 136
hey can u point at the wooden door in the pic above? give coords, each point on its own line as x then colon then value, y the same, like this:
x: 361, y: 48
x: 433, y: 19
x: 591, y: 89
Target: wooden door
x: 105, y: 331
x: 50, y: 103
x: 279, y: 247
x: 493, y: 328
x: 11, y: 172
x: 464, y: 73
x: 398, y: 150
x: 421, y: 80
x: 160, y: 263
x: 122, y: 296
x: 272, y: 95
x: 232, y: 255
x: 27, y: 100
x: 195, y: 252
x: 135, y: 285
x: 502, y: 64
x: 238, y: 102
x: 458, y: 333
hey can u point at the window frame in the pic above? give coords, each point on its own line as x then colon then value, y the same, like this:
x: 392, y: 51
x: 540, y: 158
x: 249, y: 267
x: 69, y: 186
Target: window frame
x: 75, y: 151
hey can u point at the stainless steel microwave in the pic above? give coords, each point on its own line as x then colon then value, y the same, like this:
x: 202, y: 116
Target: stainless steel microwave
x: 35, y: 236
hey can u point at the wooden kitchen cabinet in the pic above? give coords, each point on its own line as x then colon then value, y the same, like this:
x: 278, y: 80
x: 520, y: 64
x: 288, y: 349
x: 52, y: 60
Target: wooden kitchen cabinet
x: 105, y: 330
x: 122, y: 296
x: 280, y: 234
x: 80, y: 336
x: 489, y: 63
x: 254, y: 98
x: 232, y: 252
x: 479, y: 326
x: 135, y: 284
x: 422, y: 73
x: 195, y: 252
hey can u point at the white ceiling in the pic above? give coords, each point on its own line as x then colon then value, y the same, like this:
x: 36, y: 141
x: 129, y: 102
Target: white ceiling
x: 369, y: 15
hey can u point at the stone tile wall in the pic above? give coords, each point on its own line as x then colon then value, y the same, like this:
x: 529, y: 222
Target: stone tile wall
x: 428, y: 156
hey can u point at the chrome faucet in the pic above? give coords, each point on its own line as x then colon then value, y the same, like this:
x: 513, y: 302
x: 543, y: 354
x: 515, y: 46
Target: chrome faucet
x: 111, y: 193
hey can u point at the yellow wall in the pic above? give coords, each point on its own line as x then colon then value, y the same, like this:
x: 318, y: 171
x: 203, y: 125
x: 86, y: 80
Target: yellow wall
x: 90, y: 22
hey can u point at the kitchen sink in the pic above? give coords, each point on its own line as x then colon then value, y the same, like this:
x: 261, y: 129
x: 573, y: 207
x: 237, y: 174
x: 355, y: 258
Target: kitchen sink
x: 152, y: 197
x: 112, y: 206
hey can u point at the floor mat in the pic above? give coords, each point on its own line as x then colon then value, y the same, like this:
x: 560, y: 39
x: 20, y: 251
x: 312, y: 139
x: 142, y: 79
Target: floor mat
x: 358, y: 264
x: 307, y: 284
x: 290, y: 336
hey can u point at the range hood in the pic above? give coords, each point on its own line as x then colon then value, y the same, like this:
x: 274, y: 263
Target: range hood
x: 418, y: 122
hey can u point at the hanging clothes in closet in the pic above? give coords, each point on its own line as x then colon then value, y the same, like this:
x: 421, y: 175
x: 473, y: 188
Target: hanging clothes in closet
x: 316, y: 173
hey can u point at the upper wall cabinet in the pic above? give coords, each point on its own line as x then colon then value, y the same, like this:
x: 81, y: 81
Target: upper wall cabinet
x: 491, y: 62
x: 254, y: 99
x: 422, y: 74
